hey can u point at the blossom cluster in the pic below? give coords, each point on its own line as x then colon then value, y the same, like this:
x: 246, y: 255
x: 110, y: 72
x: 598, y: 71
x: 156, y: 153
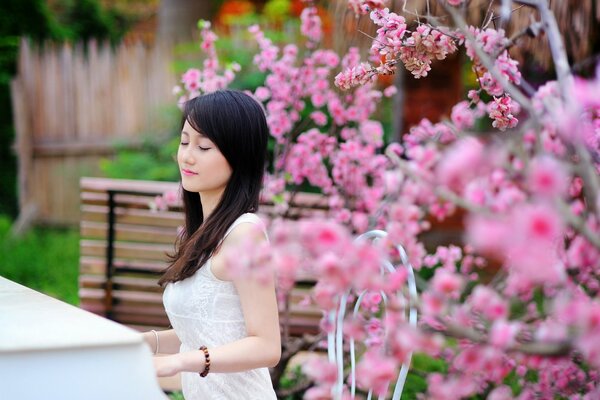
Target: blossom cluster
x: 394, y: 43
x: 516, y: 295
x: 311, y: 26
x: 345, y: 165
x: 422, y: 47
x: 195, y: 81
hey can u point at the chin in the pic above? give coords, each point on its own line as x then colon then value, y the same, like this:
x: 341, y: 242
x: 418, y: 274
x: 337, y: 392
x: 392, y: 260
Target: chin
x: 188, y: 187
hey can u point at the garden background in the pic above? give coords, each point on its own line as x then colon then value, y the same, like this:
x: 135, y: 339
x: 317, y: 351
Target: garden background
x: 90, y: 137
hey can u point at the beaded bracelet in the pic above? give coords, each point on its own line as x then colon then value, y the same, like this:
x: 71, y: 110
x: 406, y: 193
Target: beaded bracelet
x: 207, y: 357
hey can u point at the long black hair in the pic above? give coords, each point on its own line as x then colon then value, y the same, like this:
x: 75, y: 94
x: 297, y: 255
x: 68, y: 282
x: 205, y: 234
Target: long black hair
x: 237, y: 125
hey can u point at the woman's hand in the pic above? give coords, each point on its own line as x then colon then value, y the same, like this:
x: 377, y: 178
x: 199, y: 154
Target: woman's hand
x: 167, y: 365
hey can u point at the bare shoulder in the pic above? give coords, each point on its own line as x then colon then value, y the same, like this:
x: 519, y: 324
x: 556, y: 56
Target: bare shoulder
x: 245, y: 230
x: 240, y: 235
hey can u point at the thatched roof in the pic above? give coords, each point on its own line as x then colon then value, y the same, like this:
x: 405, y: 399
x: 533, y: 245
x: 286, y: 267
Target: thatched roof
x: 578, y: 20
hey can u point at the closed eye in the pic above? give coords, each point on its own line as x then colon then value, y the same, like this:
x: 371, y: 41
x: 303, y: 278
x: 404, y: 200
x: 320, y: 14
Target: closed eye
x: 204, y: 148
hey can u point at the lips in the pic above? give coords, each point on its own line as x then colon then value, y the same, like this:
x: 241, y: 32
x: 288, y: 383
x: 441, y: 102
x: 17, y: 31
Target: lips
x: 188, y: 172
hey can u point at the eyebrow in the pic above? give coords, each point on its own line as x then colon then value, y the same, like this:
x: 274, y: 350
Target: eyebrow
x: 201, y: 135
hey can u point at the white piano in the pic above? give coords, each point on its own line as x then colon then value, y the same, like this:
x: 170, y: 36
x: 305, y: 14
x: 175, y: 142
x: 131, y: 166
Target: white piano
x: 51, y: 350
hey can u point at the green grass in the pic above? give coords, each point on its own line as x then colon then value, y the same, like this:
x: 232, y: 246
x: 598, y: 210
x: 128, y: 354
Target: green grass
x: 43, y: 259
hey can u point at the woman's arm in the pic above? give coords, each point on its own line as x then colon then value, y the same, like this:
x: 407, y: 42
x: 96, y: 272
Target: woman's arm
x: 261, y: 347
x: 169, y: 343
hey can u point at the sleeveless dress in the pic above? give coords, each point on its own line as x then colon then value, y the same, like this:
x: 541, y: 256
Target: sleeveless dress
x: 205, y: 310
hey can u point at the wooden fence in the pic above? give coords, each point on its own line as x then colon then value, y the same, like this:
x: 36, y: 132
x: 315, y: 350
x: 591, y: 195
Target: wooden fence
x: 71, y: 105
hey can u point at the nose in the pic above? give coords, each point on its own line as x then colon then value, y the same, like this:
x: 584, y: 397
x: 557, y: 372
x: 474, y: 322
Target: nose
x: 187, y: 156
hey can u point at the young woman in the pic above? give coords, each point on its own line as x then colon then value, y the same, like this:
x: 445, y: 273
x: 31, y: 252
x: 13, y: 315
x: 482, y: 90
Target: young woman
x: 226, y: 330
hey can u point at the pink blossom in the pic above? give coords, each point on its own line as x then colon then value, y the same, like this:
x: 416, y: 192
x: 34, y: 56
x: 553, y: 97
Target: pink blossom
x: 354, y: 328
x: 311, y: 25
x: 491, y: 41
x: 488, y: 235
x: 547, y: 177
x: 171, y: 197
x: 159, y: 204
x: 585, y: 92
x: 321, y: 236
x: 191, y: 79
x: 462, y: 116
x: 262, y: 93
x: 319, y: 118
x: 449, y: 388
x: 371, y: 301
x: 432, y: 304
x: 501, y: 393
x: 488, y: 302
x: 447, y: 283
x: 320, y: 370
x: 538, y: 222
x: 503, y: 333
x: 427, y: 131
x: 422, y: 47
x: 375, y: 371
x: 354, y: 76
x: 325, y: 296
x: 502, y: 111
x: 461, y: 163
x: 390, y: 91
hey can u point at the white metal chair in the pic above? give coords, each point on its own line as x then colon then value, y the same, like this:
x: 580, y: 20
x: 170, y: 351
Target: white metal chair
x: 335, y: 339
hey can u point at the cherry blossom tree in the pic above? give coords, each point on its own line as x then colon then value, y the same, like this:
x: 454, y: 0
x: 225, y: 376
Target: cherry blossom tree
x: 512, y: 307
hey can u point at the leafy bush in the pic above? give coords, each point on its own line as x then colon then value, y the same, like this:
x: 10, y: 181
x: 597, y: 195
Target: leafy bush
x: 154, y: 161
x: 44, y: 259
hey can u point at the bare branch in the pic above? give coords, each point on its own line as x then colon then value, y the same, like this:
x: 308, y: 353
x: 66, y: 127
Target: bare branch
x: 557, y: 46
x: 539, y: 348
x: 487, y: 62
x: 505, y: 12
x: 489, y: 13
x: 579, y: 224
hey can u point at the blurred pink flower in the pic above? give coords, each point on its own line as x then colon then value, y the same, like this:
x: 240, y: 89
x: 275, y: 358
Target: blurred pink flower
x: 462, y: 162
x: 547, y: 177
x: 375, y: 371
x: 503, y: 333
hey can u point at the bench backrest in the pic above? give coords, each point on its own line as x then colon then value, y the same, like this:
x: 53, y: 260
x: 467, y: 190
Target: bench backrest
x: 124, y: 244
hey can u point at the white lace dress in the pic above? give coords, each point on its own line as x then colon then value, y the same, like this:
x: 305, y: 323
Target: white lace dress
x: 205, y: 310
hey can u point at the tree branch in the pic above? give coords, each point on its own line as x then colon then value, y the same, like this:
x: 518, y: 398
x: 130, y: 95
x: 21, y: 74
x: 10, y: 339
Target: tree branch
x: 487, y: 62
x: 578, y: 224
x: 440, y: 191
x: 535, y: 348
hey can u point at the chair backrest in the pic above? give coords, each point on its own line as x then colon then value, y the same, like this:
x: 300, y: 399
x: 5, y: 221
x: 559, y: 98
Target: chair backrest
x: 335, y: 339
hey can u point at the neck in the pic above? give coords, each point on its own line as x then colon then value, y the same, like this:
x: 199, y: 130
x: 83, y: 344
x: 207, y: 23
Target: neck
x: 209, y: 202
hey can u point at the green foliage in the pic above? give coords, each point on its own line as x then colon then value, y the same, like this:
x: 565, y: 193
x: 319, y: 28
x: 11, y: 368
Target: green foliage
x: 46, y: 260
x: 277, y: 9
x: 176, y: 396
x: 18, y: 18
x: 32, y: 18
x: 154, y: 161
x: 292, y: 378
x: 421, y: 366
x: 75, y: 20
x: 86, y: 19
x: 512, y: 381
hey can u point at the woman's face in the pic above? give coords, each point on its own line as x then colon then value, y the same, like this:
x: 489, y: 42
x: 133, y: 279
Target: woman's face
x: 203, y: 167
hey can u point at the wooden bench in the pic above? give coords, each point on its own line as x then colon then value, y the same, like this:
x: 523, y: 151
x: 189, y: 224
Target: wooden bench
x: 123, y: 246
